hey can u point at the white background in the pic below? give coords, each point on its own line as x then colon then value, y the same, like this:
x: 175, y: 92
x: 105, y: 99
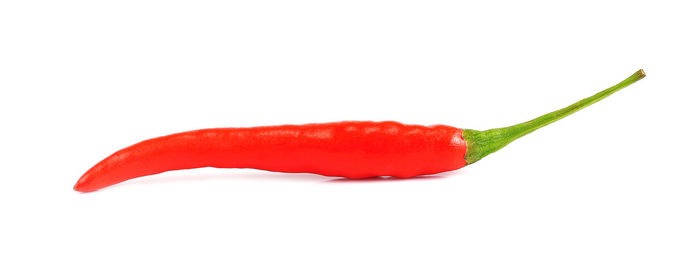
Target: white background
x: 615, y: 184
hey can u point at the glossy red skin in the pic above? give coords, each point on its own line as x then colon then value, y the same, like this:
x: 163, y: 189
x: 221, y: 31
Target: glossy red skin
x: 353, y: 149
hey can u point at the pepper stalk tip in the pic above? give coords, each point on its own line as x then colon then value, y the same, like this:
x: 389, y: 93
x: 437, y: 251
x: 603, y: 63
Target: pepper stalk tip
x: 482, y: 143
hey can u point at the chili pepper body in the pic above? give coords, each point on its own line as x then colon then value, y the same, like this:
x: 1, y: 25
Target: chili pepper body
x: 353, y: 149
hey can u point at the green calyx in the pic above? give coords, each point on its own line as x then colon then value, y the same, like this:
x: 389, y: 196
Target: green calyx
x: 482, y: 143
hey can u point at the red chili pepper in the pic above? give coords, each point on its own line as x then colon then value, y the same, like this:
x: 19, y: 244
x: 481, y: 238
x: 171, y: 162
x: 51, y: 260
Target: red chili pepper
x: 345, y: 149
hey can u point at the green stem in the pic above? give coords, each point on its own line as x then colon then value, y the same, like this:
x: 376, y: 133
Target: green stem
x: 482, y: 143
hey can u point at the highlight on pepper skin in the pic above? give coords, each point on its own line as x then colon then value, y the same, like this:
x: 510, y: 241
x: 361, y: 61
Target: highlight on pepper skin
x: 350, y: 149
